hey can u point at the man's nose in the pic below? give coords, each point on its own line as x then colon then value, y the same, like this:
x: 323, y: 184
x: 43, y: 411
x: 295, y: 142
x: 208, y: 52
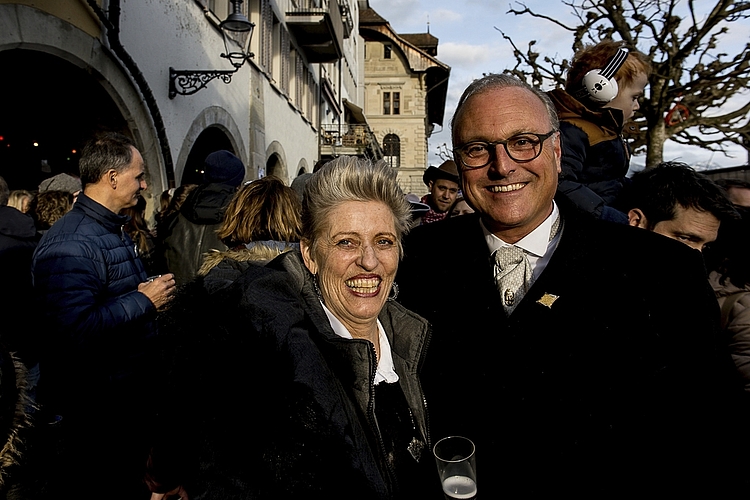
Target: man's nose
x: 501, y: 163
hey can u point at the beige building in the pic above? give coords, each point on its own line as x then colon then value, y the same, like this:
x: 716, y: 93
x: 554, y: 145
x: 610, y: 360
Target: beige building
x: 405, y: 91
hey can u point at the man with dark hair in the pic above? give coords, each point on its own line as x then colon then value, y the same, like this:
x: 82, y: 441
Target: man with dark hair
x: 98, y: 310
x: 442, y: 182
x: 737, y: 190
x: 674, y: 200
x: 192, y: 233
x: 579, y: 355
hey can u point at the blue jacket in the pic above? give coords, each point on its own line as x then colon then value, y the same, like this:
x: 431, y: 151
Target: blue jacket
x: 86, y: 275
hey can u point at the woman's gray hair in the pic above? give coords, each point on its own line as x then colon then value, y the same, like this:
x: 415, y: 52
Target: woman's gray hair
x: 349, y: 178
x: 502, y: 80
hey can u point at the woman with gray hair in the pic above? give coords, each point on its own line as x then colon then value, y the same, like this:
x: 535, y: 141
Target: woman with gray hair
x: 322, y: 362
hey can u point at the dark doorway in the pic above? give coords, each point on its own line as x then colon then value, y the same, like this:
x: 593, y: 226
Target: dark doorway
x: 210, y: 140
x: 50, y: 108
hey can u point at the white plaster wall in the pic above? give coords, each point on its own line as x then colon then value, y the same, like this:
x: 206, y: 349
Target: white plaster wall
x: 163, y: 33
x: 285, y: 126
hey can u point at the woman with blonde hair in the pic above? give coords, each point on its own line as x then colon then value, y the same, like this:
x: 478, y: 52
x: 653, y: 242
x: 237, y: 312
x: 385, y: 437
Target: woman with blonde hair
x: 20, y: 199
x: 260, y: 222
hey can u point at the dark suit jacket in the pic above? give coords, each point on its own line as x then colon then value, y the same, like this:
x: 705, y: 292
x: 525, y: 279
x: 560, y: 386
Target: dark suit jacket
x: 611, y: 388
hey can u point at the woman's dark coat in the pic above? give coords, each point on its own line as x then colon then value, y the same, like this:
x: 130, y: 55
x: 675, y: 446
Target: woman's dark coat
x: 271, y: 403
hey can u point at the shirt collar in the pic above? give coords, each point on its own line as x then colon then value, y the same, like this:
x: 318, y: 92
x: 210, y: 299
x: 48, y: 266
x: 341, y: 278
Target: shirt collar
x: 536, y: 242
x: 385, y: 371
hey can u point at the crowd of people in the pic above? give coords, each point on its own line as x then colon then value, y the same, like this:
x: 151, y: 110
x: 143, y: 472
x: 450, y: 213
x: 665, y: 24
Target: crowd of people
x: 589, y: 332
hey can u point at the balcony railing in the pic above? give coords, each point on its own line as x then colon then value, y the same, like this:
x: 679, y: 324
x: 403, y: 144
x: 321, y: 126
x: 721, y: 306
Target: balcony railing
x: 349, y: 139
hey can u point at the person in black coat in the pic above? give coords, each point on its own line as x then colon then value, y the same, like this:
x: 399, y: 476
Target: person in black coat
x: 187, y: 236
x: 599, y: 374
x: 299, y: 379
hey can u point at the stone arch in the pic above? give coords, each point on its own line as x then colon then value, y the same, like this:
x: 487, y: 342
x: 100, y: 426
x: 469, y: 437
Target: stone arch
x: 302, y: 167
x: 217, y: 118
x: 276, y: 162
x: 31, y: 29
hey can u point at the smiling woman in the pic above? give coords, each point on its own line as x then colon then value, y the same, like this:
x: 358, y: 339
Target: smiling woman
x: 312, y: 337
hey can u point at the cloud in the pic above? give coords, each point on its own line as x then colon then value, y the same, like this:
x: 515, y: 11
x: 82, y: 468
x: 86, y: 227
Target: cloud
x: 445, y: 16
x: 465, y: 55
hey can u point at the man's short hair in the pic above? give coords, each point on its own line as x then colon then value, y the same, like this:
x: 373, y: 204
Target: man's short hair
x: 657, y: 192
x: 4, y: 192
x: 597, y: 56
x: 499, y: 81
x: 106, y: 151
x: 726, y: 184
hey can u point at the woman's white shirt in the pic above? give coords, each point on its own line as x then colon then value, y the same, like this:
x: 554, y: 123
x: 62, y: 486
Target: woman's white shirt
x: 385, y: 371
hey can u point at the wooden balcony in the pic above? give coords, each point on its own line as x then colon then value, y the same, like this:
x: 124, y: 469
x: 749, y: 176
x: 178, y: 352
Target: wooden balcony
x: 349, y: 139
x: 318, y: 29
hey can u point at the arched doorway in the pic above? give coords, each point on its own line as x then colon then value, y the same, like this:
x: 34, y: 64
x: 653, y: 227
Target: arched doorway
x: 275, y: 167
x: 50, y: 108
x: 210, y: 140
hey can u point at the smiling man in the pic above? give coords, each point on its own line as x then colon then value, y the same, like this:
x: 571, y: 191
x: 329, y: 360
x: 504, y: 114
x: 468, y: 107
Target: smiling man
x: 575, y: 352
x: 442, y: 182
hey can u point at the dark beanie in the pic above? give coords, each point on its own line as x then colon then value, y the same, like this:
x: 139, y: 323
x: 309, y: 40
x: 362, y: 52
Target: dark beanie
x: 222, y: 167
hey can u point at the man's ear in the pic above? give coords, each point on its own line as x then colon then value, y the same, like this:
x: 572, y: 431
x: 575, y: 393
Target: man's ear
x: 111, y: 177
x: 636, y: 218
x: 429, y: 185
x: 307, y: 257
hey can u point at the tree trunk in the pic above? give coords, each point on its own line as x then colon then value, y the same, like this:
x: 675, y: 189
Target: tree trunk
x: 657, y: 135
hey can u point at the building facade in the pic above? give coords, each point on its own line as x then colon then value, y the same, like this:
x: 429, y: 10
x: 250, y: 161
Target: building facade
x: 405, y: 91
x: 79, y: 66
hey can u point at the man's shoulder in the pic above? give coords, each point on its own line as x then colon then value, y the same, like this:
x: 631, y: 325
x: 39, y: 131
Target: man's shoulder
x: 449, y: 232
x: 628, y: 250
x: 75, y: 233
x: 205, y: 205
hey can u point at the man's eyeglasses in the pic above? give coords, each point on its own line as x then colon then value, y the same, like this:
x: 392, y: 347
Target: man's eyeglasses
x: 521, y: 148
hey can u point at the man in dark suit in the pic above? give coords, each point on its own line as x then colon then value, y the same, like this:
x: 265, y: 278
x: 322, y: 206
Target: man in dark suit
x: 598, y: 373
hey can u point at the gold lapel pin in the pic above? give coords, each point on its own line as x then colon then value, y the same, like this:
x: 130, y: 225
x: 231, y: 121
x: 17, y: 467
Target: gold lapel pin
x: 547, y: 300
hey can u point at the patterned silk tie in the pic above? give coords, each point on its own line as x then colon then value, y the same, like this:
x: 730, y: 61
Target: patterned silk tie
x: 513, y: 271
x: 512, y: 275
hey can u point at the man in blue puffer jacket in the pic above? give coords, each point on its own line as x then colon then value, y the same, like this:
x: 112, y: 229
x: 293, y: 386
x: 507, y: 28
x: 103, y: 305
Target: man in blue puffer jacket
x: 98, y: 309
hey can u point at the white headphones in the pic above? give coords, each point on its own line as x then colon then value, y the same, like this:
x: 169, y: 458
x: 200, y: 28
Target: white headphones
x: 599, y: 85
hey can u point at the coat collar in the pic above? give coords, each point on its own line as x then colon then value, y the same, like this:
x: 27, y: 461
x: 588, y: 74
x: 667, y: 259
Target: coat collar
x: 569, y: 108
x: 104, y: 216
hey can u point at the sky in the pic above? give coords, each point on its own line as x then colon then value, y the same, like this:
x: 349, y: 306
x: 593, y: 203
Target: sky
x: 470, y: 43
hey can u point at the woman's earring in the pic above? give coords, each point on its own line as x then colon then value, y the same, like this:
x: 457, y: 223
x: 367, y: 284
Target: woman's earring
x: 317, y: 288
x: 394, y: 291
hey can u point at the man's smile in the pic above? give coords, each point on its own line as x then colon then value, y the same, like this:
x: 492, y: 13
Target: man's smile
x: 507, y: 188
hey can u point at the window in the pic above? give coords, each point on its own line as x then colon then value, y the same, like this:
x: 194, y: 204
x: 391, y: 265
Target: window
x: 392, y: 150
x: 387, y: 51
x: 266, y: 36
x: 391, y: 103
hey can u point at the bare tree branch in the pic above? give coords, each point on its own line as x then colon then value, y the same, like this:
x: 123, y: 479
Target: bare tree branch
x: 689, y: 66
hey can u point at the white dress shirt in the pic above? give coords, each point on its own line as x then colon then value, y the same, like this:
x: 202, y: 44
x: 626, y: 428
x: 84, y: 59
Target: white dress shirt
x: 537, y: 244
